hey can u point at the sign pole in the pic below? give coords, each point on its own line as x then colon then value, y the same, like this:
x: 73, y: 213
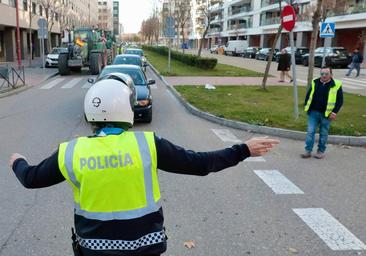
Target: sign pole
x: 293, y: 61
x: 169, y: 57
x: 288, y: 19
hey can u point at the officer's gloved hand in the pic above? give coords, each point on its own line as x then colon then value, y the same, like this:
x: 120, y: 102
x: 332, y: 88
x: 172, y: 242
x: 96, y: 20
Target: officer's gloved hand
x: 259, y: 146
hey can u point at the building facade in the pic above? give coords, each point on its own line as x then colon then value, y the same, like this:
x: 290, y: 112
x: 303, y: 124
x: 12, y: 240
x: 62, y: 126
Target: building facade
x: 105, y: 14
x: 64, y: 14
x: 257, y: 21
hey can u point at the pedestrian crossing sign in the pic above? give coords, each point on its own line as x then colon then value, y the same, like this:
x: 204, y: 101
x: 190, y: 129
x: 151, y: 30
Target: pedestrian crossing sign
x: 327, y: 29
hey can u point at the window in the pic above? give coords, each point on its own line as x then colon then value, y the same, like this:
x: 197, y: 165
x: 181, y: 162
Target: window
x: 40, y: 10
x: 56, y: 16
x: 34, y: 8
x: 12, y: 3
x: 25, y: 5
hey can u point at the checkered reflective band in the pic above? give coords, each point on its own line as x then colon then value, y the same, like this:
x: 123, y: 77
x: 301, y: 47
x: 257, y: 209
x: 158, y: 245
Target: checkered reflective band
x: 105, y: 244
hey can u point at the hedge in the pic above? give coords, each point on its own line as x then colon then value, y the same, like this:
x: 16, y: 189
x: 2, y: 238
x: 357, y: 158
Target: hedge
x: 189, y: 59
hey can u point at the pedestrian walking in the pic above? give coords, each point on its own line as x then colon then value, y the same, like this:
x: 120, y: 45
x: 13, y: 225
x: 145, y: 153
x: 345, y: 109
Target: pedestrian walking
x: 114, y: 178
x: 323, y: 101
x: 284, y: 64
x: 357, y: 59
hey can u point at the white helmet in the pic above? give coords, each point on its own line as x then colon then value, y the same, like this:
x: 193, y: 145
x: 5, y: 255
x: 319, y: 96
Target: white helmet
x: 109, y: 101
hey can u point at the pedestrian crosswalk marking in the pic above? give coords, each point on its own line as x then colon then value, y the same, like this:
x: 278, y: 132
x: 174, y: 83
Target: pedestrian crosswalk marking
x: 255, y: 159
x: 278, y: 182
x: 87, y: 85
x: 52, y: 83
x: 226, y: 135
x: 330, y: 230
x: 358, y: 82
x: 71, y: 83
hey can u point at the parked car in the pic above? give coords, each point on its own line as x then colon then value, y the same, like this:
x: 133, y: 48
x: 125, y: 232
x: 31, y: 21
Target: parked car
x: 263, y: 54
x: 143, y: 107
x: 52, y: 57
x: 235, y: 47
x: 214, y: 49
x: 129, y: 59
x: 137, y: 52
x: 250, y: 52
x: 334, y: 57
x: 299, y: 52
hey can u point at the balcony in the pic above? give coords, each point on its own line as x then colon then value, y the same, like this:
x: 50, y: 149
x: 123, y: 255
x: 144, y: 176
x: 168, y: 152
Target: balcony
x: 268, y: 2
x: 242, y: 9
x: 216, y: 7
x: 216, y: 18
x: 214, y: 30
x: 270, y: 21
x: 347, y: 10
x: 240, y: 26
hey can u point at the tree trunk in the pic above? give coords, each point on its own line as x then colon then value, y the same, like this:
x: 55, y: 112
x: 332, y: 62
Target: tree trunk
x: 202, y: 40
x: 182, y: 27
x: 314, y: 38
x: 269, y: 61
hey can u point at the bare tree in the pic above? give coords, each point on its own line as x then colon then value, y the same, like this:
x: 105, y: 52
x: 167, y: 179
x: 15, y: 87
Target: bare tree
x: 270, y: 57
x: 31, y: 14
x: 204, y: 18
x: 51, y: 9
x: 182, y: 14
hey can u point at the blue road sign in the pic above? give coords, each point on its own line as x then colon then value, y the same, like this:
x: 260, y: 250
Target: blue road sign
x: 169, y: 32
x: 327, y: 29
x: 170, y: 21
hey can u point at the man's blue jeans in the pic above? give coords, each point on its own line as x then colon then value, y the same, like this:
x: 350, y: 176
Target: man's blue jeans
x: 316, y: 119
x: 353, y: 66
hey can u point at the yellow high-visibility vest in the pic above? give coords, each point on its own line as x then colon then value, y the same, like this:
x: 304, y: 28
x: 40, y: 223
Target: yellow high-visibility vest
x: 332, y: 97
x: 113, y: 177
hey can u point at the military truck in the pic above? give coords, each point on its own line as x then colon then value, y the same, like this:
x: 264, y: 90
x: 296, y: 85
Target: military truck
x: 88, y: 49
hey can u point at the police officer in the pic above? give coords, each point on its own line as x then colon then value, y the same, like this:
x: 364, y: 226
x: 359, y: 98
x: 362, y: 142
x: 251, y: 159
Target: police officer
x: 113, y: 175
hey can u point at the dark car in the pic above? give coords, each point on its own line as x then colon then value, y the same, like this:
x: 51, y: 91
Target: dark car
x: 143, y: 107
x: 263, y: 54
x: 250, y: 52
x: 132, y: 59
x: 299, y: 52
x: 137, y: 52
x: 334, y: 57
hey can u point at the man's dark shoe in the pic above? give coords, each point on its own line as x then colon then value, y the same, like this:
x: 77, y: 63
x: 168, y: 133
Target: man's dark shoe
x: 306, y: 155
x: 319, y: 155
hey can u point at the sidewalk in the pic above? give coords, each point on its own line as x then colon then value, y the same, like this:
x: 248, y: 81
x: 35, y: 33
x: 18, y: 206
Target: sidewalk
x: 34, y: 74
x: 202, y: 80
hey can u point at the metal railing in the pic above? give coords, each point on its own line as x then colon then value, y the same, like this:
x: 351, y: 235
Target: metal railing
x: 240, y: 26
x: 270, y: 21
x: 268, y: 2
x: 11, y: 77
x: 358, y: 8
x: 242, y: 9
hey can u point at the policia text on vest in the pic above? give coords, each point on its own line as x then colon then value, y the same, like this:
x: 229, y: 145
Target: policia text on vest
x: 104, y: 162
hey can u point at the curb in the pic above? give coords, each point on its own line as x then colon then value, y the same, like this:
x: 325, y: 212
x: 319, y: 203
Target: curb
x: 24, y: 87
x: 278, y: 132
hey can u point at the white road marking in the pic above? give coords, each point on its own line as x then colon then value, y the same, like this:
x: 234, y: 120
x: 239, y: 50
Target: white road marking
x: 87, y: 85
x: 255, y: 159
x: 71, y: 83
x: 278, y: 182
x: 52, y: 83
x: 331, y: 231
x: 226, y: 135
x: 154, y: 86
x: 355, y: 80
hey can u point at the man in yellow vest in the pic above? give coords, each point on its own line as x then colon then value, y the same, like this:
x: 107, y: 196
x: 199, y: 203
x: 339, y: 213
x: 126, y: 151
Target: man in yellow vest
x: 323, y: 101
x: 113, y: 175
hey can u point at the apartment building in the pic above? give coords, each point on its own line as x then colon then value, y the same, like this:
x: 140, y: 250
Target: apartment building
x: 66, y: 14
x: 258, y: 21
x: 105, y: 14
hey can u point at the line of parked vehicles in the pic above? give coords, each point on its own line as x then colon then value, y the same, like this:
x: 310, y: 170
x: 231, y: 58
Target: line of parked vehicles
x: 334, y: 56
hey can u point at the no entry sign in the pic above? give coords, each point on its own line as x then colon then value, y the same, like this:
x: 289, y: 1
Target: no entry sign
x: 288, y: 18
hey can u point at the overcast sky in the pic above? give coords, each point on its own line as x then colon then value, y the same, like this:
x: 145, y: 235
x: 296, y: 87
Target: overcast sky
x: 133, y: 12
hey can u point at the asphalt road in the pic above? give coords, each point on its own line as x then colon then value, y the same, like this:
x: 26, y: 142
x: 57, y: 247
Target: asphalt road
x: 233, y: 212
